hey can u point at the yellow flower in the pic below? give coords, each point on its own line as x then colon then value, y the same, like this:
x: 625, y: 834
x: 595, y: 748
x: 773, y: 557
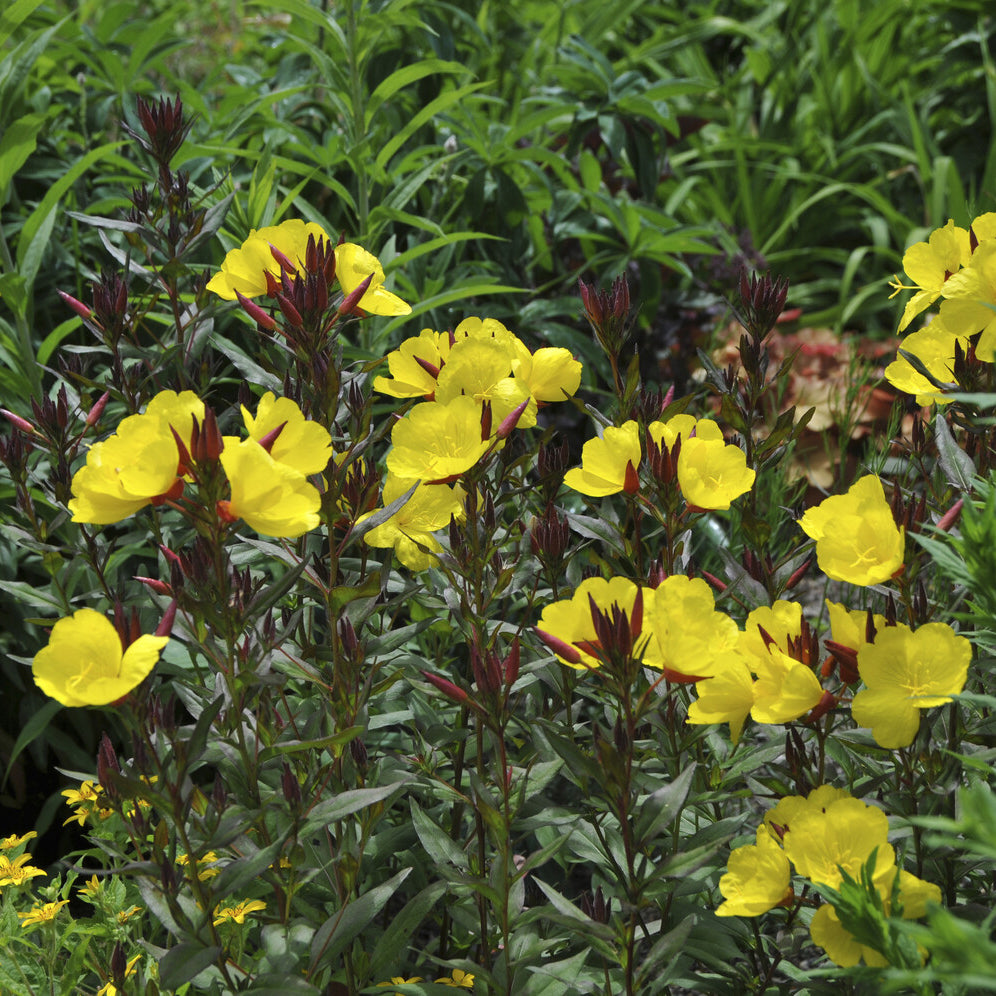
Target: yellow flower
x: 410, y: 529
x: 436, y: 442
x: 609, y: 464
x: 412, y: 364
x: 711, y: 473
x: 139, y: 464
x: 272, y: 497
x: 18, y: 871
x: 301, y: 444
x: 9, y: 843
x: 666, y: 434
x: 570, y: 621
x: 694, y: 640
x: 204, y: 872
x: 244, y: 269
x: 91, y: 890
x: 83, y: 664
x: 757, y: 878
x: 930, y: 264
x: 857, y: 539
x: 109, y: 989
x: 85, y: 798
x: 780, y: 819
x: 934, y: 346
x: 726, y: 698
x: 399, y: 980
x: 785, y: 688
x: 124, y: 916
x: 971, y: 295
x: 843, y: 836
x: 849, y: 627
x: 239, y: 912
x: 482, y: 370
x: 459, y: 979
x: 353, y: 265
x: 905, y: 671
x: 838, y: 943
x: 42, y: 914
x: 549, y: 374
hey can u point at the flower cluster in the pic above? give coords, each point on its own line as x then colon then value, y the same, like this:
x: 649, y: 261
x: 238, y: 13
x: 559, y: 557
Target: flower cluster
x: 252, y: 269
x: 822, y: 836
x: 958, y: 266
x: 711, y: 473
x: 477, y: 384
x: 15, y: 870
x: 152, y: 456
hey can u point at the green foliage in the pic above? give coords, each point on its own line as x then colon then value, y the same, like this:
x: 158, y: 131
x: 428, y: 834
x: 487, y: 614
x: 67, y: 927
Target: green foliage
x: 343, y: 770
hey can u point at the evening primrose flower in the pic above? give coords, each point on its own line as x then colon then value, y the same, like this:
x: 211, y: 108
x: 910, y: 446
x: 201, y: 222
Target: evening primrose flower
x: 549, y: 374
x: 840, y: 945
x: 785, y: 688
x: 570, y: 621
x: 414, y: 366
x: 727, y: 697
x: 711, y: 473
x: 139, y: 464
x: 272, y: 497
x: 857, y: 539
x: 244, y: 269
x: 44, y: 913
x: 300, y: 443
x: 930, y: 265
x: 609, y: 464
x: 971, y: 297
x: 685, y: 427
x: 843, y: 836
x: 934, y: 346
x: 694, y: 639
x: 83, y: 664
x: 239, y: 912
x: 905, y: 671
x: 353, y: 265
x: 410, y: 529
x: 436, y: 442
x: 757, y: 878
x: 482, y: 370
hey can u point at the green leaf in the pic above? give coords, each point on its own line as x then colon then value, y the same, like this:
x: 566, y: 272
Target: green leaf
x: 17, y: 144
x: 958, y: 466
x: 663, y: 806
x: 335, y: 934
x: 401, y: 927
x: 33, y: 728
x: 405, y: 76
x: 12, y: 16
x: 426, y: 114
x: 184, y: 962
x: 330, y: 810
x: 234, y: 877
x: 437, y: 843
